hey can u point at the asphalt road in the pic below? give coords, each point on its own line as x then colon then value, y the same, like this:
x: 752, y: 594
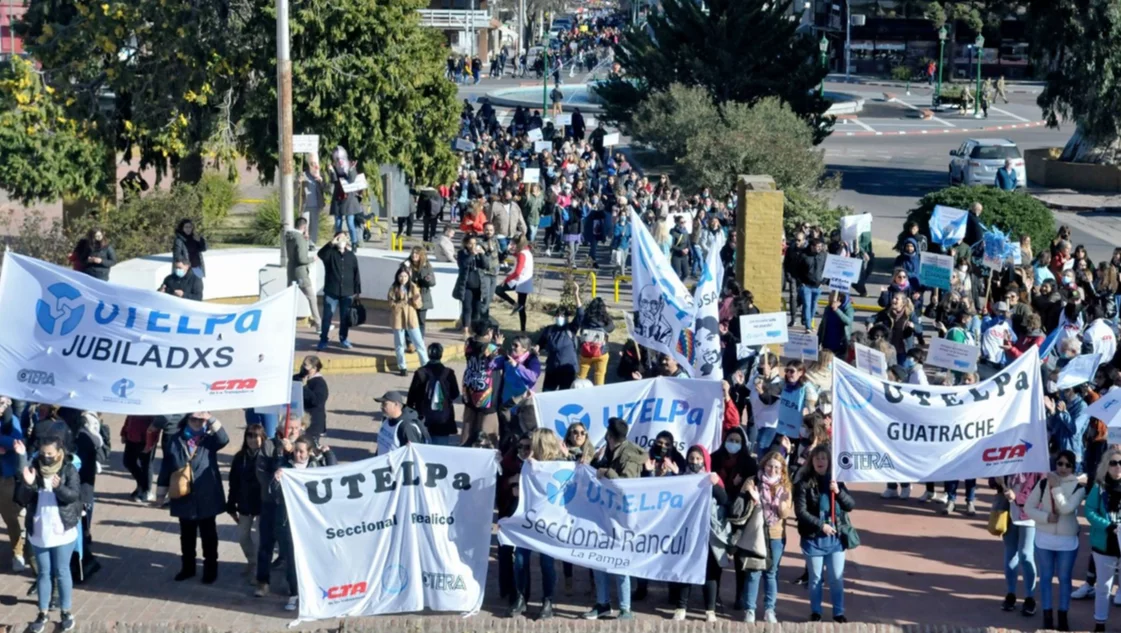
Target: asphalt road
x: 886, y: 175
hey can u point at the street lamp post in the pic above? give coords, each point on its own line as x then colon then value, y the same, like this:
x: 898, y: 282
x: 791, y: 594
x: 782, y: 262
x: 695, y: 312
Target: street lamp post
x: 545, y: 80
x: 823, y: 45
x: 848, y: 33
x: 979, y: 44
x: 284, y: 116
x: 943, y: 33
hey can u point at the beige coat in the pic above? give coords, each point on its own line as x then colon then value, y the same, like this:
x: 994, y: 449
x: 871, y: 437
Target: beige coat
x: 403, y: 306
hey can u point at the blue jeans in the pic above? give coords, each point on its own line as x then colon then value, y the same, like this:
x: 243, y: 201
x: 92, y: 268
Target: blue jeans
x: 399, y: 346
x: 836, y: 564
x: 1051, y: 564
x: 548, y: 572
x: 350, y: 228
x: 809, y: 303
x: 764, y: 439
x: 1019, y: 556
x: 698, y: 263
x: 54, y: 563
x: 622, y: 584
x: 770, y: 578
x: 951, y: 488
x: 266, y: 528
x: 331, y: 305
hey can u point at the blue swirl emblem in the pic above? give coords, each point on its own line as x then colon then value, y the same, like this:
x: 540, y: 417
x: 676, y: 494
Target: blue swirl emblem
x: 856, y: 394
x: 561, y: 490
x: 64, y: 315
x: 394, y: 580
x: 571, y: 414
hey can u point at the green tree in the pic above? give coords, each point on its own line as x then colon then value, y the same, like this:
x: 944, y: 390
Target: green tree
x: 738, y: 51
x: 44, y: 154
x: 1078, y: 43
x: 365, y: 76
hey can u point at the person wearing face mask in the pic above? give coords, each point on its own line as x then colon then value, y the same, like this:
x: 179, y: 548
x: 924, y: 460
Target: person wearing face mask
x: 182, y: 282
x: 760, y: 543
x: 1103, y: 511
x: 94, y: 255
x: 822, y: 507
x: 732, y: 462
x: 50, y: 491
x: 520, y: 370
x: 342, y: 284
x: 1053, y: 505
x: 190, y: 463
x: 698, y: 462
x: 558, y: 342
x: 189, y: 247
x: 244, y: 502
x: 664, y: 459
x: 300, y: 458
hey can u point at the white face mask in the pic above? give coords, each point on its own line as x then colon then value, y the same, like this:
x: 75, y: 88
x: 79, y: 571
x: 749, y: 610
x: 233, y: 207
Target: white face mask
x: 561, y: 321
x: 733, y: 447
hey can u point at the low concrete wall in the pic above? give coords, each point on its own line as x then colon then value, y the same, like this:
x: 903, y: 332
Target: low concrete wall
x: 487, y: 624
x: 1045, y: 169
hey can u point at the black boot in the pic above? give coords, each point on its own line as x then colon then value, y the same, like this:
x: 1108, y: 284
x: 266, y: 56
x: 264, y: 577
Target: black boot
x: 188, y: 571
x: 1049, y: 620
x: 518, y: 607
x: 1099, y: 627
x: 209, y: 571
x: 1064, y: 624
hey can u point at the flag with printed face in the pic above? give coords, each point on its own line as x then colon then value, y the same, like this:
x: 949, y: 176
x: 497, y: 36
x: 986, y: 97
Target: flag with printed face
x: 663, y: 307
x: 707, y: 355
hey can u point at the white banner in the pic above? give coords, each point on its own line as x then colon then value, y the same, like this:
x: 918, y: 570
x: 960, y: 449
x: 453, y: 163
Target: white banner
x: 1107, y: 408
x: 693, y: 410
x: 531, y: 175
x: 947, y: 354
x: 885, y: 431
x: 294, y: 407
x: 76, y: 341
x: 394, y: 533
x: 663, y: 307
x: 702, y: 343
x: 305, y: 144
x: 655, y: 528
x: 611, y: 140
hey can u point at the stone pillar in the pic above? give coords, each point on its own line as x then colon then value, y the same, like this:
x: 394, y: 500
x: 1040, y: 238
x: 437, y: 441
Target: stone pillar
x: 759, y: 240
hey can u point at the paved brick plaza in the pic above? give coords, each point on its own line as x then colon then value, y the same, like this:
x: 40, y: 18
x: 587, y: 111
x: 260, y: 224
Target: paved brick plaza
x: 914, y: 566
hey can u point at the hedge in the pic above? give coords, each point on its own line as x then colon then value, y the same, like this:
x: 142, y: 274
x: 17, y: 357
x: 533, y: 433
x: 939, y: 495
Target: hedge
x: 1014, y: 212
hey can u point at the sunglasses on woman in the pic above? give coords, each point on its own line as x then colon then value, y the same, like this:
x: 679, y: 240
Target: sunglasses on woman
x: 579, y: 433
x: 1114, y: 463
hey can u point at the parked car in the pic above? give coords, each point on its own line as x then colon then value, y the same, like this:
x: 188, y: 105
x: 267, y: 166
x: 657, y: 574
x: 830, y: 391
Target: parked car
x: 978, y: 159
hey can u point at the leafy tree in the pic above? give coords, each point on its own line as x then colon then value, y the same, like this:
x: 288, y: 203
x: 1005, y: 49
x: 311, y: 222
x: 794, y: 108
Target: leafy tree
x: 1078, y: 42
x: 738, y: 51
x: 44, y: 154
x: 365, y: 76
x: 1014, y: 212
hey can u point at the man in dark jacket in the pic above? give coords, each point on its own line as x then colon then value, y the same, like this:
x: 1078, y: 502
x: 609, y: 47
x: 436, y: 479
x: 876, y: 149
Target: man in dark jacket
x: 680, y: 245
x: 341, y: 285
x: 558, y: 343
x: 791, y: 263
x: 183, y: 282
x: 400, y: 424
x: 811, y: 275
x: 94, y: 255
x: 431, y: 394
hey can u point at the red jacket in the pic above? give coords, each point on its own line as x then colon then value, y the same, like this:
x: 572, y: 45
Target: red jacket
x: 1019, y: 347
x: 473, y: 223
x: 731, y: 416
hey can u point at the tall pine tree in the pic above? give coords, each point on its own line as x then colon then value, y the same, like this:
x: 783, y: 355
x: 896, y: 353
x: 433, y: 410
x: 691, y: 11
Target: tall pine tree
x: 737, y: 50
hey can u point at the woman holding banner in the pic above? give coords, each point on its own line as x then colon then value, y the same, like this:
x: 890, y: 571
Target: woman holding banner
x: 821, y: 506
x: 545, y: 446
x: 1053, y: 505
x: 772, y: 494
x: 697, y: 462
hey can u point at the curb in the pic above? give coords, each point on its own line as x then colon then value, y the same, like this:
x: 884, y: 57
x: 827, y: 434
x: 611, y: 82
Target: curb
x: 1075, y: 208
x: 377, y: 363
x: 1017, y: 126
x: 1021, y: 91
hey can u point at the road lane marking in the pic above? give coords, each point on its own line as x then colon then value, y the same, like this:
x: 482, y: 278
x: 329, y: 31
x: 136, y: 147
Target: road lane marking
x: 1006, y: 112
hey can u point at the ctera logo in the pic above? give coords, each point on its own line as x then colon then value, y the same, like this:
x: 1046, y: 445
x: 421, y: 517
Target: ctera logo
x: 561, y: 490
x: 344, y: 592
x: 122, y: 387
x: 571, y: 414
x: 1016, y: 452
x: 64, y: 315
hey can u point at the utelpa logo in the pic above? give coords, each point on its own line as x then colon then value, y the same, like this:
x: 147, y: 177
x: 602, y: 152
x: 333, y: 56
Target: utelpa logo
x: 571, y: 414
x: 63, y: 316
x: 561, y: 490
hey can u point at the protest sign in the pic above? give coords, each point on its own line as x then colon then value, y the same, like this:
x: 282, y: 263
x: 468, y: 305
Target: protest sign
x: 564, y: 118
x: 76, y: 341
x: 305, y: 144
x: 947, y: 354
x: 701, y: 344
x: 871, y: 361
x: 611, y: 140
x: 800, y: 345
x: 293, y: 408
x: 535, y: 134
x: 358, y: 185
x: 886, y: 432
x: 853, y: 226
x: 1107, y: 408
x: 464, y: 145
x: 994, y: 250
x: 842, y: 272
x: 653, y: 527
x: 531, y: 175
x: 691, y: 409
x: 935, y: 270
x: 394, y: 533
x: 1079, y: 370
x: 947, y: 225
x: 542, y: 146
x: 763, y: 329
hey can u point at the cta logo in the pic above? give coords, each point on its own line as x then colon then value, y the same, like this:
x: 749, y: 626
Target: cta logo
x: 442, y: 582
x: 35, y: 377
x: 561, y: 490
x: 1005, y: 454
x: 865, y: 461
x: 236, y: 385
x: 62, y: 315
x: 344, y: 592
x: 571, y: 414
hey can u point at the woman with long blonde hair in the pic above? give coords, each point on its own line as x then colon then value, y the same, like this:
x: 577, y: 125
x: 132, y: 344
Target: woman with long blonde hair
x: 1103, y: 511
x: 545, y: 446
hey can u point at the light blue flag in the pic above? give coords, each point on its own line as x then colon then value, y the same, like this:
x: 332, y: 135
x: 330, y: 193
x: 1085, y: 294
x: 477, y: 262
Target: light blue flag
x: 947, y: 225
x: 663, y: 307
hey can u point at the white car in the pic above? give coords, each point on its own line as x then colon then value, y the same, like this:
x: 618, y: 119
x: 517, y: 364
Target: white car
x: 978, y: 159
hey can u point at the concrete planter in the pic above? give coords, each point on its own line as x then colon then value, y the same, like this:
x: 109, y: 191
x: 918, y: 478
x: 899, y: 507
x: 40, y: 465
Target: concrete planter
x: 1046, y: 170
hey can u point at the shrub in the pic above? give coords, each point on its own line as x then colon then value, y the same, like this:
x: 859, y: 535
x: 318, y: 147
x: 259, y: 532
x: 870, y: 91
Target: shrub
x: 35, y: 237
x: 1013, y: 212
x: 219, y: 195
x: 901, y: 73
x: 266, y: 222
x: 811, y: 207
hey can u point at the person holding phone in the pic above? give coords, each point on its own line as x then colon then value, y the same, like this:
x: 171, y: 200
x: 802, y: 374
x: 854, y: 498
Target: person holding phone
x: 341, y: 286
x: 195, y: 444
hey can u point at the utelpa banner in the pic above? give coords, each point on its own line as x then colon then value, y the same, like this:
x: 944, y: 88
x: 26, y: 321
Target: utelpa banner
x: 395, y: 533
x: 691, y: 409
x: 656, y: 527
x: 886, y: 431
x: 80, y: 342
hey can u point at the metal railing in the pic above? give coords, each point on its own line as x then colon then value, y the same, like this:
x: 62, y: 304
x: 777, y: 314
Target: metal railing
x: 452, y: 19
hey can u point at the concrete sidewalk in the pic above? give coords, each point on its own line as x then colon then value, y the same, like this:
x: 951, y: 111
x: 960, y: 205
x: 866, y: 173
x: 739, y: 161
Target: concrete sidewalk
x: 1076, y: 201
x: 1013, y: 87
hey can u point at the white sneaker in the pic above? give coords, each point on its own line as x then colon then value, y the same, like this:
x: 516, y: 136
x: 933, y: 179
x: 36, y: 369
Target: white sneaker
x: 889, y: 493
x: 939, y: 497
x: 710, y: 616
x: 905, y: 493
x: 926, y: 496
x: 1084, y: 592
x: 293, y: 603
x: 678, y: 615
x: 948, y: 508
x: 749, y: 616
x: 970, y: 508
x: 19, y: 565
x: 769, y: 617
